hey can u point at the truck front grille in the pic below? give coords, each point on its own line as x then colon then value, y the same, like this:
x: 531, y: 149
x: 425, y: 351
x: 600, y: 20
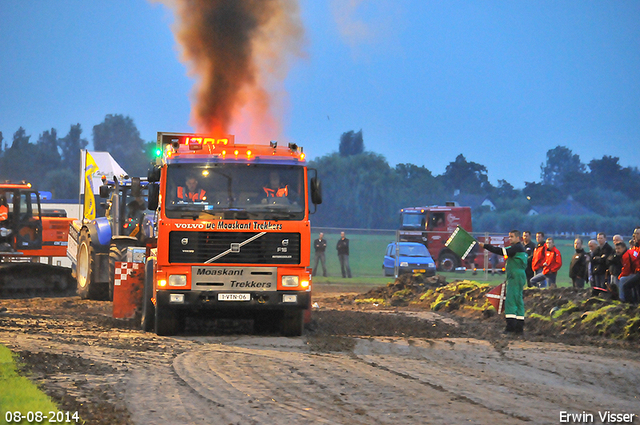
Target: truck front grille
x: 232, y: 247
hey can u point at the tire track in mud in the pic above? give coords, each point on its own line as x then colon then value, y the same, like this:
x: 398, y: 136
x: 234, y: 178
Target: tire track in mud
x: 523, y: 381
x: 338, y: 373
x: 274, y: 386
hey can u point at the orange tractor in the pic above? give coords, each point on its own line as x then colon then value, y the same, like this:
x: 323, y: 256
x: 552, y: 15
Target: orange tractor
x: 27, y: 233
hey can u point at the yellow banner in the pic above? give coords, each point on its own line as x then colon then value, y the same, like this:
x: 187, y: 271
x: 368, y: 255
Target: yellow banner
x: 90, y: 168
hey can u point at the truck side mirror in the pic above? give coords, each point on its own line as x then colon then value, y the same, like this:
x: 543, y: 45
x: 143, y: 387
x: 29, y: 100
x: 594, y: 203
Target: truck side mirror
x: 154, y: 196
x: 104, y: 191
x: 135, y: 187
x: 153, y: 175
x: 316, y: 191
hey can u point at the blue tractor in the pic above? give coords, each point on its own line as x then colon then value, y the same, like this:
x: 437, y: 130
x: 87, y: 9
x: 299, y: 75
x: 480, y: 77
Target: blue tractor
x: 96, y: 245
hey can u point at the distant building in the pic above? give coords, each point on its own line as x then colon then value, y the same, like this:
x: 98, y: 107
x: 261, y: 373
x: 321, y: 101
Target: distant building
x: 474, y: 201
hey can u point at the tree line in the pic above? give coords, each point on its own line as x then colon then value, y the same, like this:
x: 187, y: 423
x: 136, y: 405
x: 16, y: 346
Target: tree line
x: 361, y: 190
x: 52, y: 163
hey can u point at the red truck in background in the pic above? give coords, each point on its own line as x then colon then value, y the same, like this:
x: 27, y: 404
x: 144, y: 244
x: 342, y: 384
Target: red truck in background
x: 433, y: 226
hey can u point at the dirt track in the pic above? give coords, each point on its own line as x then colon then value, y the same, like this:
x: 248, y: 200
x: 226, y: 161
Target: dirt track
x: 352, y: 366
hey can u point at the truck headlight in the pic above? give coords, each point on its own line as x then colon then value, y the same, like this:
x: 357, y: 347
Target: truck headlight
x: 178, y: 280
x: 404, y: 264
x: 431, y: 265
x: 290, y: 281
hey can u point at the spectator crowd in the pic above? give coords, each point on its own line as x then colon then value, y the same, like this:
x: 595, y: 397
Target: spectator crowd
x: 611, y: 268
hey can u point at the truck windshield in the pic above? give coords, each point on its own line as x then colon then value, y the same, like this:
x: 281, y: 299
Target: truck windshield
x: 235, y: 191
x: 412, y: 221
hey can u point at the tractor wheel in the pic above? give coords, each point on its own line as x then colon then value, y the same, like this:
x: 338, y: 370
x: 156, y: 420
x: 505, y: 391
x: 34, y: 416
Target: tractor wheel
x: 447, y: 262
x: 88, y: 288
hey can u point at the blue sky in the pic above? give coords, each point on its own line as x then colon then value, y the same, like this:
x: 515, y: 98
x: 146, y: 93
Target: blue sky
x: 501, y: 82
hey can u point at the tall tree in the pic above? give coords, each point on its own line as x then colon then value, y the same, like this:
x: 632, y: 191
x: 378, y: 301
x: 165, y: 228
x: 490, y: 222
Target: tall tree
x: 70, y: 146
x: 417, y: 186
x: 49, y: 154
x: 563, y: 169
x: 359, y: 191
x: 20, y: 139
x: 119, y: 136
x: 466, y: 176
x: 608, y: 174
x: 63, y: 183
x: 16, y: 161
x: 351, y: 143
x: 541, y: 194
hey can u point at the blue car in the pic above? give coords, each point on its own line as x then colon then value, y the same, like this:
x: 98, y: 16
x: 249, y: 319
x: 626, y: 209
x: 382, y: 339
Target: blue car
x: 414, y: 258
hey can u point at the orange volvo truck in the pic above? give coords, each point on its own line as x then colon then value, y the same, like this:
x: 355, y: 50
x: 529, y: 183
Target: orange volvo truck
x: 232, y: 234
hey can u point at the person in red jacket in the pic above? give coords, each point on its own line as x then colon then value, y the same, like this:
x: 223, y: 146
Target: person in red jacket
x: 537, y: 262
x: 552, y: 263
x: 630, y: 267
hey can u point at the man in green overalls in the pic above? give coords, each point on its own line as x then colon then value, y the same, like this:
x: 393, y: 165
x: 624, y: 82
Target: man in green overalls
x: 516, y: 259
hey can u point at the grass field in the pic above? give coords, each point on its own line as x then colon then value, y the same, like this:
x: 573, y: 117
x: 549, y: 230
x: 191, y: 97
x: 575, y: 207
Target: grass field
x: 18, y: 394
x: 367, y: 252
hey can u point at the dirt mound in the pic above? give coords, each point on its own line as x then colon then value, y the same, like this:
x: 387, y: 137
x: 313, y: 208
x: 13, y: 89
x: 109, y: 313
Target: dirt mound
x: 562, y: 312
x: 403, y: 291
x: 573, y: 312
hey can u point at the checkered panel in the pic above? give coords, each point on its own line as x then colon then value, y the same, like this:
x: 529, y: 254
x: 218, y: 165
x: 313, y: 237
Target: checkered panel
x: 124, y: 270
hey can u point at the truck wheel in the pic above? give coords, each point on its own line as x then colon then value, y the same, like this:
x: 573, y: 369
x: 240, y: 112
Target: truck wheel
x: 88, y: 288
x: 447, y: 262
x: 292, y: 323
x: 147, y: 320
x: 117, y: 252
x: 166, y: 321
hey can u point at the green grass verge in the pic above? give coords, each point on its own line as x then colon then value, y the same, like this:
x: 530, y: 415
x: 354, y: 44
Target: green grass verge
x: 18, y: 393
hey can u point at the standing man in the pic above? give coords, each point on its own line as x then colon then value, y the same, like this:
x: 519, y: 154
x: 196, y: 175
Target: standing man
x: 578, y: 270
x: 529, y: 248
x: 319, y: 246
x: 613, y: 262
x: 599, y: 262
x: 593, y: 244
x: 343, y: 255
x: 516, y: 278
x: 552, y: 263
x: 537, y: 261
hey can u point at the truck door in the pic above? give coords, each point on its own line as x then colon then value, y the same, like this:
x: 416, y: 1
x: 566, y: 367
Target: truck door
x: 28, y: 221
x: 437, y: 231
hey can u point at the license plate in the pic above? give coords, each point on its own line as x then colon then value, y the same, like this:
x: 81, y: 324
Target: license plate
x: 419, y: 271
x: 234, y: 297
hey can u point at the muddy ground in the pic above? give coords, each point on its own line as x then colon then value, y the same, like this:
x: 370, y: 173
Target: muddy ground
x: 410, y: 352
